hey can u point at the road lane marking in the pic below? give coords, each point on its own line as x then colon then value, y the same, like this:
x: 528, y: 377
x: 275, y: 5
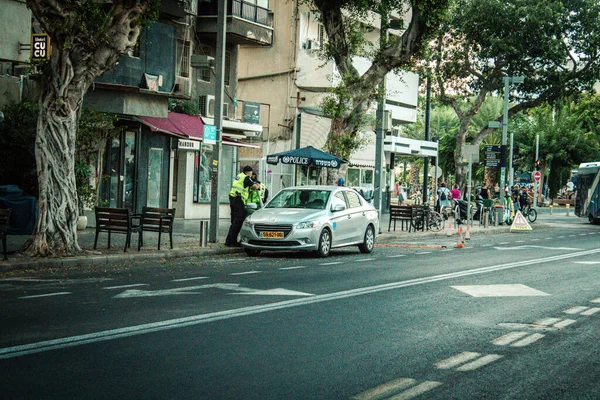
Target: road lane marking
x: 297, y: 267
x: 365, y: 259
x: 396, y: 256
x: 457, y: 360
x: 385, y: 389
x: 595, y: 301
x: 521, y: 241
x: 245, y: 273
x: 423, y: 252
x: 483, y: 361
x: 509, y: 338
x: 535, y: 240
x: 331, y: 263
x: 112, y: 334
x: 564, y: 323
x: 190, y: 279
x: 530, y: 246
x: 416, y: 391
x: 576, y: 310
x: 515, y: 290
x: 534, y: 337
x: 486, y: 245
x: 447, y: 250
x: 591, y: 311
x: 587, y: 262
x: 124, y: 286
x: 44, y: 295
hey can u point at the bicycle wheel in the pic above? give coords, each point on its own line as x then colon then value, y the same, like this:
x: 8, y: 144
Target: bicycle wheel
x: 532, y: 215
x: 435, y: 221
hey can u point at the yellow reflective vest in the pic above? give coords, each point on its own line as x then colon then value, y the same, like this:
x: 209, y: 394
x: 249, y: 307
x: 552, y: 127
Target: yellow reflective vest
x: 237, y: 187
x: 256, y: 194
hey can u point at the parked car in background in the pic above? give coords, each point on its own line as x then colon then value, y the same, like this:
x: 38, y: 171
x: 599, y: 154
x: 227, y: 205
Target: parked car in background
x: 312, y: 218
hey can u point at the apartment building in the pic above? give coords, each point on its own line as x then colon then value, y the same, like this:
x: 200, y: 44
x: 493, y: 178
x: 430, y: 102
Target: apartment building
x: 291, y: 80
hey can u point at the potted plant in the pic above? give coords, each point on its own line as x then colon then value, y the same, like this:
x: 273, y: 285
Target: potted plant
x: 86, y: 193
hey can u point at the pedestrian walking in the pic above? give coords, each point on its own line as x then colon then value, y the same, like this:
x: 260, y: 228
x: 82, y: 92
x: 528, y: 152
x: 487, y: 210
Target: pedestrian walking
x: 238, y: 198
x: 455, y: 193
x: 444, y: 197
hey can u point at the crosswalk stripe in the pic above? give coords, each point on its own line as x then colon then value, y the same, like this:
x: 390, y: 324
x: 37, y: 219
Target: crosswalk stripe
x: 528, y: 340
x: 385, y: 389
x: 575, y: 310
x: 480, y: 362
x: 416, y: 391
x: 509, y: 338
x: 564, y: 323
x: 595, y: 301
x: 547, y: 321
x: 591, y: 311
x: 457, y: 360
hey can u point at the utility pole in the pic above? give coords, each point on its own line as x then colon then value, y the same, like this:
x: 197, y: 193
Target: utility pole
x: 426, y: 159
x: 219, y: 87
x: 380, y: 115
x: 506, y: 80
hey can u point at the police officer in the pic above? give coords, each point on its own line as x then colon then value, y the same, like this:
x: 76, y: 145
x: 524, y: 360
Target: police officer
x: 238, y: 197
x: 259, y: 197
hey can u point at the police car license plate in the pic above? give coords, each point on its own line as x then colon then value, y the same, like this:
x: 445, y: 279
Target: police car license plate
x: 275, y: 235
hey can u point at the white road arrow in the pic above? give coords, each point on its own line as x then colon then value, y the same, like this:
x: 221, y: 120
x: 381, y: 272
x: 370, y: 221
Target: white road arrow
x: 536, y: 247
x: 224, y: 286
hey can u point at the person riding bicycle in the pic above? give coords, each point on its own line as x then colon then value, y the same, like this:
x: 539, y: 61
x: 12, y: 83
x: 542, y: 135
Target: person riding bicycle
x: 523, y: 200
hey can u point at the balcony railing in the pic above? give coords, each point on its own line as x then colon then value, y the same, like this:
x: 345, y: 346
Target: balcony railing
x: 251, y: 12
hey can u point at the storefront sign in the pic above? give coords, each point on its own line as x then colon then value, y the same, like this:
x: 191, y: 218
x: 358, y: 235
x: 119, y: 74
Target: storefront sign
x: 210, y: 134
x: 251, y: 112
x: 188, y: 144
x: 40, y: 47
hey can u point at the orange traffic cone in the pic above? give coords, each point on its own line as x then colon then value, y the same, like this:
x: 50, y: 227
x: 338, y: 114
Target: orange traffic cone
x: 459, y: 241
x: 468, y: 233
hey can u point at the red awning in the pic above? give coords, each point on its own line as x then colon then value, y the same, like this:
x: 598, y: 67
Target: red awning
x: 182, y: 125
x: 185, y: 126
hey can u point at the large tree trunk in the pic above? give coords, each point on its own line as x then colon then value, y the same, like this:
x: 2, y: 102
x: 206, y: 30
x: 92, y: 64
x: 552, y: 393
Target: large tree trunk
x: 60, y: 102
x: 82, y: 49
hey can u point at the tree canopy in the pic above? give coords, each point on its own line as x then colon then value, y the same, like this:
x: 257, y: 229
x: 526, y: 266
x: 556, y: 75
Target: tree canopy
x: 554, y: 44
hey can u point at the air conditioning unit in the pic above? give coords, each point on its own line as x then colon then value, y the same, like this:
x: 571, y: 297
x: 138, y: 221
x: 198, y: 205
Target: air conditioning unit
x: 206, y: 103
x: 252, y: 134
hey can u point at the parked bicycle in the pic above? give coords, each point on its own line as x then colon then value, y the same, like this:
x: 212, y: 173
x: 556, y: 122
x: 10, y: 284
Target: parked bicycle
x: 434, y: 221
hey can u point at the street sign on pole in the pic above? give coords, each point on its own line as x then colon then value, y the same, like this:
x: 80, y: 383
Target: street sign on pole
x: 537, y: 176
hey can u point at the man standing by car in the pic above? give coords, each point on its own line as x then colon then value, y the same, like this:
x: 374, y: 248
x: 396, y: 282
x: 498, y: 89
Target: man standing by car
x: 238, y: 197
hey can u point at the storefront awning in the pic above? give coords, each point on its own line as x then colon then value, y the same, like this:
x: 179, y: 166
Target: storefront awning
x: 247, y: 129
x: 185, y: 126
x: 176, y: 124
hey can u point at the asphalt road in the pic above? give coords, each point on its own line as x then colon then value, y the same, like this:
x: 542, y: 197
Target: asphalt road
x: 510, y: 316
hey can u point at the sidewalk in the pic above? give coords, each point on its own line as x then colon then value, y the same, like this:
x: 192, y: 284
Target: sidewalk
x: 186, y: 243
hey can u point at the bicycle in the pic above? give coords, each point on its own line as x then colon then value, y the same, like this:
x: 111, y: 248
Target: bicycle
x: 529, y: 213
x: 434, y: 221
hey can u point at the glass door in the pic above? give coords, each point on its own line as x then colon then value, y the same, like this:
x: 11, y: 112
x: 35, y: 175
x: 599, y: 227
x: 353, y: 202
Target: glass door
x: 129, y: 183
x: 155, y: 168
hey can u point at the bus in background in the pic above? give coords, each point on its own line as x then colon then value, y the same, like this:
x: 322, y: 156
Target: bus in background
x: 587, y: 184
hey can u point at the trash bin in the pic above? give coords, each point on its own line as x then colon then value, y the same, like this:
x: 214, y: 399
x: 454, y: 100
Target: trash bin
x: 499, y: 213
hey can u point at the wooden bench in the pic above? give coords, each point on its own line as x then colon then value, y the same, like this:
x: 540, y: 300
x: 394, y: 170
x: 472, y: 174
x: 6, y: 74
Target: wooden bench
x: 404, y: 214
x: 156, y: 220
x: 4, y: 218
x: 419, y: 216
x: 116, y: 220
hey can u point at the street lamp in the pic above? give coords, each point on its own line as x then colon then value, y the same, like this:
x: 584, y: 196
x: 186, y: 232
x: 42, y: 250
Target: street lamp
x: 507, y: 81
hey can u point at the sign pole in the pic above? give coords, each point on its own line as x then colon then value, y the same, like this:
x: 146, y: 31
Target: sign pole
x: 537, y: 154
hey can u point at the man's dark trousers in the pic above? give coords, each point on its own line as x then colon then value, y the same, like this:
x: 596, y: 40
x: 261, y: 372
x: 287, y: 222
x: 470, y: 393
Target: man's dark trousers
x: 238, y: 215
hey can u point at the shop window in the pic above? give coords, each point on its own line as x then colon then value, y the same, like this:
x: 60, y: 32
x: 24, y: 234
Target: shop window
x: 203, y: 173
x: 367, y: 176
x: 353, y: 177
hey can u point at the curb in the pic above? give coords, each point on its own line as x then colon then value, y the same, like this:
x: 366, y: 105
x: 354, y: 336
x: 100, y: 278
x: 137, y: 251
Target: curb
x: 103, y: 260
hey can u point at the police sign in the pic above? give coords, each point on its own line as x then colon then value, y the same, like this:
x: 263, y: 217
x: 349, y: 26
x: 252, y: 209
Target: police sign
x: 40, y: 47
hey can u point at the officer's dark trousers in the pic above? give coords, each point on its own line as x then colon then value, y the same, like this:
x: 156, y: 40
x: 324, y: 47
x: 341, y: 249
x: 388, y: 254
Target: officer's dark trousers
x: 238, y: 215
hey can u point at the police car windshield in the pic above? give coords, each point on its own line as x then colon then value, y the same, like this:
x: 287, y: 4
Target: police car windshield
x: 300, y: 198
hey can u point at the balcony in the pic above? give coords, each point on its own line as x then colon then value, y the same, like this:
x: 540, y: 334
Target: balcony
x: 247, y: 23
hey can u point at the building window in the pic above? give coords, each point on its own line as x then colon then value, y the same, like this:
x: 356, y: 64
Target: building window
x: 353, y: 177
x: 183, y: 58
x: 321, y: 38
